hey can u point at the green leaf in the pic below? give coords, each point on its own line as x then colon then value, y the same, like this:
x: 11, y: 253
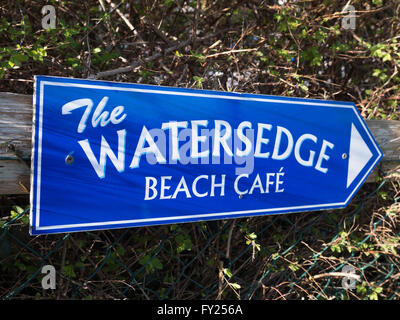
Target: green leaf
x: 361, y: 288
x: 156, y: 263
x: 373, y: 296
x: 168, y: 3
x: 303, y: 87
x: 227, y: 272
x: 377, y: 2
x: 386, y: 57
x: 17, y: 58
x: 151, y: 263
x: 199, y: 57
x: 199, y: 81
x: 25, y: 220
x: 293, y: 267
x: 376, y: 73
x: 252, y: 236
x: 68, y: 270
x: 236, y: 285
x: 392, y: 103
x: 18, y: 209
x: 278, y: 17
x: 20, y: 265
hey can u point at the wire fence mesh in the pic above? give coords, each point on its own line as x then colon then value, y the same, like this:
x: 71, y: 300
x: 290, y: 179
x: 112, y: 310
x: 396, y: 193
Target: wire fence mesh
x: 294, y: 256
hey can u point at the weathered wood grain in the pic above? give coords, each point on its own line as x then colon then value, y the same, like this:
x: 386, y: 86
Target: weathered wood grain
x: 16, y: 134
x: 387, y: 135
x: 15, y: 125
x: 14, y: 177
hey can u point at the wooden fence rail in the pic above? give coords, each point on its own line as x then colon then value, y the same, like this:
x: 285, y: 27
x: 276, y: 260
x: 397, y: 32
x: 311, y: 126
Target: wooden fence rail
x: 16, y: 134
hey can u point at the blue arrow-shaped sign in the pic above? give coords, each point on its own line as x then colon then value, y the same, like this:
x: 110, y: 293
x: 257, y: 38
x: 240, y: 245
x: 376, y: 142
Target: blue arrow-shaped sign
x: 112, y: 155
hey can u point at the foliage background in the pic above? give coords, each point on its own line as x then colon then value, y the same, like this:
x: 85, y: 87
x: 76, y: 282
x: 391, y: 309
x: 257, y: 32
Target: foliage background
x: 289, y: 48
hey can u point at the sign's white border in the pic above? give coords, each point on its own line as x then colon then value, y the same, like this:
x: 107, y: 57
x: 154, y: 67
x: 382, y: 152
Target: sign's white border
x: 172, y: 218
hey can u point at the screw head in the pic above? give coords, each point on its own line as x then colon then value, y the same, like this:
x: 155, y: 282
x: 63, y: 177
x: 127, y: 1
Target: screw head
x: 69, y: 159
x: 344, y: 156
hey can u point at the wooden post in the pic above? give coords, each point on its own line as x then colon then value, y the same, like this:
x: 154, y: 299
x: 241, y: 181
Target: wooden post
x: 16, y: 135
x: 15, y: 142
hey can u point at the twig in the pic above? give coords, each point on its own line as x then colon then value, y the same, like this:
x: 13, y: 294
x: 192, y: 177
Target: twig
x: 127, y: 22
x: 338, y: 274
x: 165, y: 67
x: 228, y: 245
x: 64, y: 253
x: 185, y: 68
x: 230, y: 52
x: 220, y: 280
x: 151, y: 58
x: 108, y: 23
x: 138, y: 63
x: 156, y: 30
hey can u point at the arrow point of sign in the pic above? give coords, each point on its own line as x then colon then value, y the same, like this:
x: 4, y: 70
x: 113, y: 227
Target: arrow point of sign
x: 359, y: 155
